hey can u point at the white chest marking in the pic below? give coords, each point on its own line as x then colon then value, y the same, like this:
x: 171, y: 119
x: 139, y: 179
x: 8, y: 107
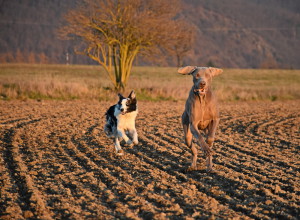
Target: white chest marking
x: 126, y: 121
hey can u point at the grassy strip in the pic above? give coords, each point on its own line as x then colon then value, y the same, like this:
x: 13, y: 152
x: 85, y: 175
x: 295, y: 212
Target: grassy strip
x: 62, y: 82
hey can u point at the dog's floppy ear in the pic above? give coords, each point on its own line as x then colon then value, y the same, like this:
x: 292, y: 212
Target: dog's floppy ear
x: 132, y: 95
x: 215, y: 71
x: 187, y: 70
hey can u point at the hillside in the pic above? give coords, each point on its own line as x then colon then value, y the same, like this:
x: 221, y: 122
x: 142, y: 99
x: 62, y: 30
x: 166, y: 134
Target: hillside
x: 239, y: 33
x: 247, y: 34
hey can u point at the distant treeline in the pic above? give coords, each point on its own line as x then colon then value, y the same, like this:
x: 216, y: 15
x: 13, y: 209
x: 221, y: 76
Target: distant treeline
x: 23, y: 57
x: 42, y: 58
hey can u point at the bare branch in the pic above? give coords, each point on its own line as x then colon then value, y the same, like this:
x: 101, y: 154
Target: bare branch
x: 115, y: 31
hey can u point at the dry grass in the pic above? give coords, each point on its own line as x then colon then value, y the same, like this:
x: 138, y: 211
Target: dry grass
x: 23, y: 81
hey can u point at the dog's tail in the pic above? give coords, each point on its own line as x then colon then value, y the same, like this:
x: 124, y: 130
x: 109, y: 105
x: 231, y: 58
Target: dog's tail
x: 108, y: 130
x: 111, y: 122
x: 110, y: 126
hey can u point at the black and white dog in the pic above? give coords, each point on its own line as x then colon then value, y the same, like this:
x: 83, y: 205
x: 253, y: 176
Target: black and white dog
x: 120, y: 121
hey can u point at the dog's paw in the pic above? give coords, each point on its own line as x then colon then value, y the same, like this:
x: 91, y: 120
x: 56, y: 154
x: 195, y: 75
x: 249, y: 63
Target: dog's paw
x: 120, y: 153
x: 129, y: 143
x: 136, y: 142
x: 189, y: 169
x: 210, y: 170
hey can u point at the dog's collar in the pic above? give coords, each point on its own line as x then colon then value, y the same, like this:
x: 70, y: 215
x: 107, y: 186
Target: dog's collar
x: 201, y: 98
x: 196, y: 92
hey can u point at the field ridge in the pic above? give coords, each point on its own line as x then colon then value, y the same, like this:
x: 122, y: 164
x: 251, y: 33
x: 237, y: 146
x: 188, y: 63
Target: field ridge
x: 56, y: 163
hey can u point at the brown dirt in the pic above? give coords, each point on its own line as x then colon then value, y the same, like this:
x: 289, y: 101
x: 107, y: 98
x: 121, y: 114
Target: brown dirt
x: 56, y: 163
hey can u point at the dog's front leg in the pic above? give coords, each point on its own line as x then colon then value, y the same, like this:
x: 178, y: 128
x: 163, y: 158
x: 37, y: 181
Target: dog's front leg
x: 188, y: 141
x: 118, y: 148
x: 122, y: 134
x: 205, y: 148
x: 134, y: 136
x: 212, y: 128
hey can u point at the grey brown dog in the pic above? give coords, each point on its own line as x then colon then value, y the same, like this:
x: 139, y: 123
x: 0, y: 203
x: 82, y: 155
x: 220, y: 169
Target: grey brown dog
x: 201, y: 112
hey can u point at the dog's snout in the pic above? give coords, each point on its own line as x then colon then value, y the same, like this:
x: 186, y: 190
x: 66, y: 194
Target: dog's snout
x: 202, y: 83
x: 122, y: 109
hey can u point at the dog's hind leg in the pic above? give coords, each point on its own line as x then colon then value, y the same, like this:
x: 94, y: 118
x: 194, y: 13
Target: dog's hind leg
x: 188, y: 141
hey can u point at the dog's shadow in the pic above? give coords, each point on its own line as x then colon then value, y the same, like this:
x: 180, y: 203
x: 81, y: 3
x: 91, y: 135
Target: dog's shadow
x: 200, y: 169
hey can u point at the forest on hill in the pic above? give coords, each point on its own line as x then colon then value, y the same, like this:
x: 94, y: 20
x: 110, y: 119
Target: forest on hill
x: 232, y: 34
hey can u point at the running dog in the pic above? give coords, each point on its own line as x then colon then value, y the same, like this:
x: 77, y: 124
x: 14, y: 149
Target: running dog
x: 120, y: 121
x: 201, y: 112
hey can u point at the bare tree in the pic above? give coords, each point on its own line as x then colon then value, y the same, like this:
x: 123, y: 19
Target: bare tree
x: 183, y: 42
x: 115, y: 31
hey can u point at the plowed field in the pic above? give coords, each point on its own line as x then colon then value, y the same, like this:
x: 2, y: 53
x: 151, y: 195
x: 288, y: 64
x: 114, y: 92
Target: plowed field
x: 56, y: 163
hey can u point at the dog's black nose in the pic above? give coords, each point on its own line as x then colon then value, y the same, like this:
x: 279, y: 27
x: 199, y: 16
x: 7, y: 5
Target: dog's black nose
x: 122, y: 109
x: 202, y: 83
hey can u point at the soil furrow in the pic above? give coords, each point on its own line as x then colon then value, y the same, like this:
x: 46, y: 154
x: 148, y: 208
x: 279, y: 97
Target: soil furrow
x: 30, y: 199
x: 9, y: 196
x: 116, y: 190
x: 165, y: 188
x: 248, y: 165
x: 176, y: 170
x: 56, y: 161
x: 239, y: 197
x: 266, y: 158
x: 58, y: 193
x: 129, y: 169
